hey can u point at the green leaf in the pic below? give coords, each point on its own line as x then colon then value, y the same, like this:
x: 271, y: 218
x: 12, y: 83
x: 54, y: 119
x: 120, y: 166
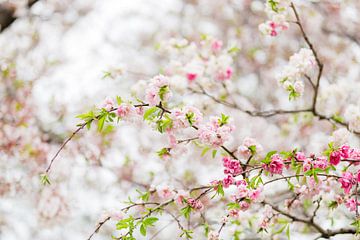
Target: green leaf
x: 204, y: 151
x: 333, y: 205
x: 233, y: 205
x: 149, y: 112
x: 280, y: 230
x: 150, y: 221
x: 233, y: 50
x: 143, y: 230
x: 220, y: 190
x: 356, y: 224
x: 288, y: 231
x: 186, y: 211
x: 118, y: 100
x: 252, y: 149
x: 224, y: 119
x: 162, y: 91
x: 44, y: 179
x: 338, y: 118
x: 101, y: 122
x: 214, y: 153
x: 268, y: 156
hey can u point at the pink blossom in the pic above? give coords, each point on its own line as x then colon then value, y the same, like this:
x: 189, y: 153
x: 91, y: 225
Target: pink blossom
x: 158, y: 90
x: 255, y: 194
x: 152, y: 96
x: 234, y: 213
x: 241, y: 183
x: 242, y: 190
x: 347, y: 181
x: 223, y: 75
x: 213, y: 134
x: 335, y: 158
x: 244, y: 149
x: 191, y: 77
x: 351, y: 204
x: 124, y: 110
x: 244, y: 205
x: 321, y: 162
x: 216, y: 45
x: 195, y: 204
x: 227, y: 181
x: 180, y: 196
x: 139, y: 110
x: 300, y: 156
x: 172, y: 139
x: 276, y: 165
x: 345, y: 151
x: 164, y: 191
x: 232, y: 166
x: 186, y: 117
x: 108, y: 104
x: 307, y: 165
x: 358, y: 175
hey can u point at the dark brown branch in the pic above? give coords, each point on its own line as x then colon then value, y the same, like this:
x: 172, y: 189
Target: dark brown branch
x: 324, y: 233
x: 100, y: 224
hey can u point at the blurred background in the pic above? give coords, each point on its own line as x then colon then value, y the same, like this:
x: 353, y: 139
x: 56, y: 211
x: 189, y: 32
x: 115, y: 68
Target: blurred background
x: 61, y: 58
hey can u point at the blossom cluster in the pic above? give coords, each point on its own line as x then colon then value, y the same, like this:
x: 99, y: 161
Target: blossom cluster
x: 186, y: 117
x: 181, y: 197
x: 290, y: 77
x: 278, y: 11
x: 217, y: 131
x: 158, y: 90
x: 206, y: 62
x: 249, y: 147
x: 276, y: 164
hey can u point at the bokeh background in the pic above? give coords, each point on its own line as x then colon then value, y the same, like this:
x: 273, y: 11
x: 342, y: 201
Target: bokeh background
x: 65, y: 57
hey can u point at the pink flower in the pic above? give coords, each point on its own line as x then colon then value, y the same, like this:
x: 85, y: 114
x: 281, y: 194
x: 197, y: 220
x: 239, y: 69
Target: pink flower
x: 335, y: 157
x: 216, y: 45
x: 186, y: 117
x: 223, y: 75
x: 124, y: 110
x: 158, y: 90
x: 345, y: 151
x: 358, y: 175
x: 307, y: 165
x: 244, y: 205
x: 195, y: 204
x: 276, y: 165
x: 215, y: 134
x: 191, y: 77
x: 180, y: 197
x: 347, y: 181
x: 300, y: 156
x: 351, y: 204
x: 139, y: 110
x: 244, y: 149
x: 172, y: 139
x: 108, y: 104
x: 152, y: 96
x: 232, y: 166
x: 164, y: 191
x: 234, y: 213
x: 228, y: 180
x: 321, y: 162
x: 255, y: 194
x: 241, y: 183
